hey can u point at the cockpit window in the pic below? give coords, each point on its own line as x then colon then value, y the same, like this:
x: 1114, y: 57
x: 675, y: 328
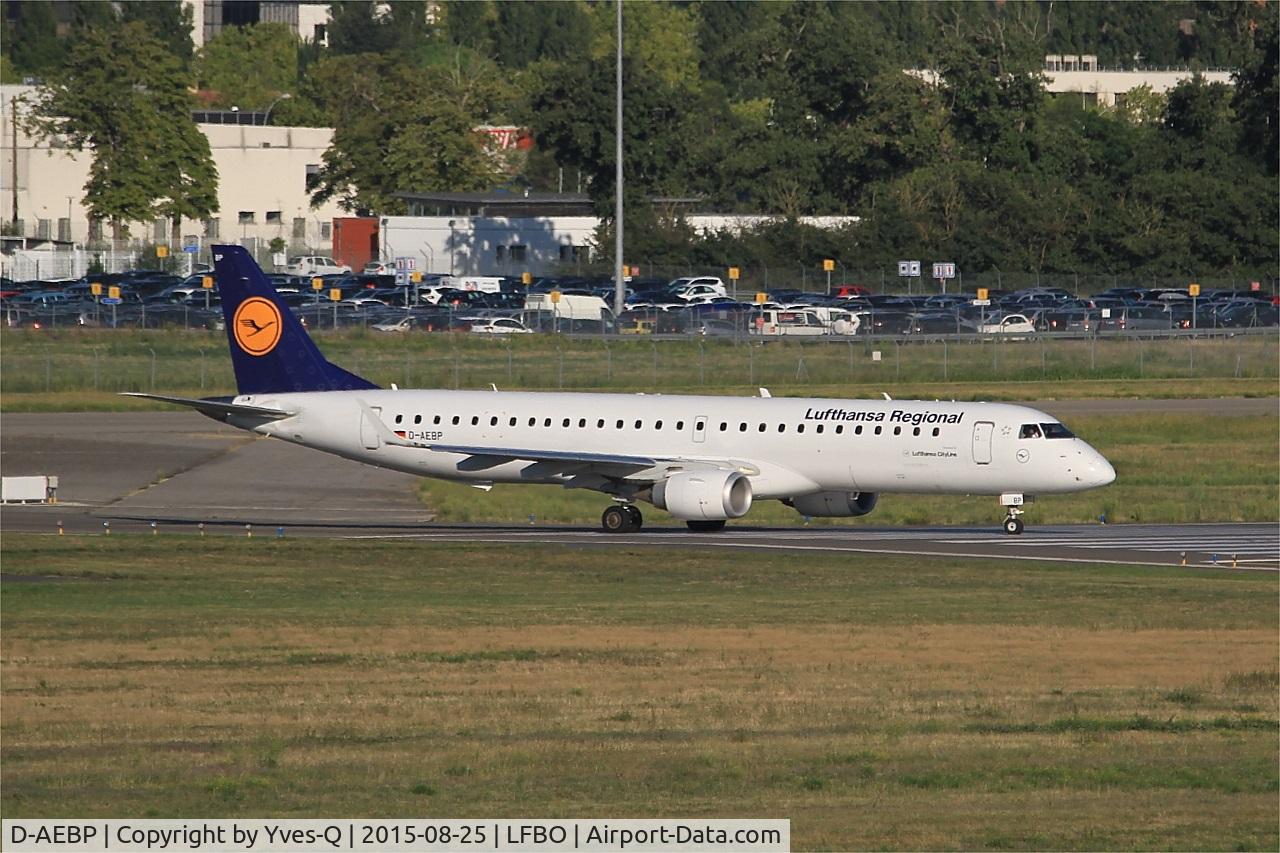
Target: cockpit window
x: 1057, y: 431
x: 1029, y: 431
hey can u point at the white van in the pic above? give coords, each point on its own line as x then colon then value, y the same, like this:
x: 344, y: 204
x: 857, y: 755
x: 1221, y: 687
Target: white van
x: 482, y: 283
x: 771, y: 323
x: 569, y: 306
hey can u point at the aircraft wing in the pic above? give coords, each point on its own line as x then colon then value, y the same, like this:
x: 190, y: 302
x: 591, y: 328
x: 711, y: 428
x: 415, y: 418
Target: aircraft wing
x: 218, y: 409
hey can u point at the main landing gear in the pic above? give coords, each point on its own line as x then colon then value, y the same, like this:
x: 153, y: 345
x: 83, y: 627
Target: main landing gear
x: 1013, y: 507
x: 621, y: 518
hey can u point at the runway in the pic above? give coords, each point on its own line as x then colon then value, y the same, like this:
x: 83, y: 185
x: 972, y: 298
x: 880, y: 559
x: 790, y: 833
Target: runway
x: 179, y: 469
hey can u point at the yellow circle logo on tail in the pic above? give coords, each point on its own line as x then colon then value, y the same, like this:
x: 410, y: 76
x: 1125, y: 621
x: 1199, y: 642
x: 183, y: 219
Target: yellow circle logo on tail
x: 257, y: 325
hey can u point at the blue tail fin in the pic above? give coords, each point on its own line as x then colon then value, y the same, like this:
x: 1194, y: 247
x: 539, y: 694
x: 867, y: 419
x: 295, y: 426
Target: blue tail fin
x: 270, y: 350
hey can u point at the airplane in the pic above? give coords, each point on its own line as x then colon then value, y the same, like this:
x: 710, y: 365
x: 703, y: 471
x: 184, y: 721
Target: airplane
x: 703, y: 459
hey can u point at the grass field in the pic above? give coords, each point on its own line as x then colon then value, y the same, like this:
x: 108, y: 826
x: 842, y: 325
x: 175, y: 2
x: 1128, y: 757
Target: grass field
x: 1169, y: 468
x: 75, y: 370
x: 877, y: 703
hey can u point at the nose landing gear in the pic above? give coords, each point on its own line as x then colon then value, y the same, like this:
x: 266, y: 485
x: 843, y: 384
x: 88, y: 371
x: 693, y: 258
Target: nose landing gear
x: 1013, y: 507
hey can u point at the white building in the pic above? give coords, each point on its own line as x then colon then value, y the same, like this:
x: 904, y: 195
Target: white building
x: 262, y: 186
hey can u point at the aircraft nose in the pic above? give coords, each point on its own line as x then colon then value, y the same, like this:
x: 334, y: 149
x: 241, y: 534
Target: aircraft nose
x: 1100, y: 470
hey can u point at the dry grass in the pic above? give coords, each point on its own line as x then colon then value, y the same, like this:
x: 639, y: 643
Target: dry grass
x: 885, y: 703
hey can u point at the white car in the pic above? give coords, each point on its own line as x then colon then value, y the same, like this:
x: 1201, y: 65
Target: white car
x: 1010, y: 324
x: 379, y: 268
x: 498, y: 326
x: 688, y: 287
x: 315, y: 265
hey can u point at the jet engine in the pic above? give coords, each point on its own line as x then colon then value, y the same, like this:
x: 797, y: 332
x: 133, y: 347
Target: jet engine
x: 834, y: 504
x: 698, y: 495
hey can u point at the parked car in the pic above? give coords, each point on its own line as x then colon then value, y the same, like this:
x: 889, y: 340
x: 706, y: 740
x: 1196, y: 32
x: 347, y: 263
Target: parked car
x: 497, y: 326
x: 315, y: 265
x: 1009, y: 324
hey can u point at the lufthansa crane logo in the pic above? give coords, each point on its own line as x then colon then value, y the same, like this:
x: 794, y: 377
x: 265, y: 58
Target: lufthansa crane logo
x: 257, y: 325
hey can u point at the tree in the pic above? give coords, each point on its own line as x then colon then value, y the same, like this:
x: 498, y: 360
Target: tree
x: 1257, y: 93
x: 32, y: 39
x: 123, y: 96
x: 249, y: 66
x: 168, y: 20
x: 364, y: 26
x: 395, y: 132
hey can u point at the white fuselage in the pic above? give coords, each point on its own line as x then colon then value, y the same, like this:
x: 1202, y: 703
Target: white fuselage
x: 787, y: 446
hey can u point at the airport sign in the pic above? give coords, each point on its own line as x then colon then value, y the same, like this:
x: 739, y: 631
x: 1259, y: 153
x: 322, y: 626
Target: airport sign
x: 909, y: 269
x: 112, y: 300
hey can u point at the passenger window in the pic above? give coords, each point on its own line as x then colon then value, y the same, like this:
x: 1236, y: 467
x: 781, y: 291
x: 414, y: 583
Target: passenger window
x: 657, y: 425
x: 897, y: 430
x: 600, y: 424
x: 547, y: 422
x: 436, y: 420
x: 533, y: 421
x: 915, y: 431
x: 879, y: 430
x: 800, y: 428
x: 680, y: 425
x: 618, y: 424
x: 762, y: 427
x: 723, y: 426
x: 475, y: 420
x: 417, y: 419
x: 839, y: 429
x: 566, y: 422
x: 582, y: 423
x: 857, y: 430
x: 819, y: 429
x: 513, y: 422
x: 782, y: 427
x: 455, y: 420
x: 399, y: 418
x: 936, y: 432
x: 1029, y: 431
x: 639, y: 424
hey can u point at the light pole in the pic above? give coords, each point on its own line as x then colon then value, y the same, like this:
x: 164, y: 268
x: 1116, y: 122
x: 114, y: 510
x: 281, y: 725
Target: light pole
x: 266, y: 119
x: 451, y: 224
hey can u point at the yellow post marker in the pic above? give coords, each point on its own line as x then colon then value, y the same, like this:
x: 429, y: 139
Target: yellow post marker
x: 526, y: 278
x: 96, y: 288
x: 162, y: 251
x: 828, y: 265
x: 1193, y: 290
x: 416, y: 277
x: 335, y: 294
x: 114, y: 291
x: 555, y: 297
x: 317, y: 283
x: 983, y: 293
x: 206, y: 282
x: 762, y: 298
x: 734, y: 273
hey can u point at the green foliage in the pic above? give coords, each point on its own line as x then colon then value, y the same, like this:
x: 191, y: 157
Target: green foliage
x: 249, y: 66
x: 395, y: 130
x: 31, y: 39
x: 168, y: 20
x: 122, y: 95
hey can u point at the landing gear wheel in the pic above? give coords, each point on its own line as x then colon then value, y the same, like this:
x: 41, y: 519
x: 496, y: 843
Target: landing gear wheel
x: 615, y: 520
x: 705, y: 526
x: 1013, y: 525
x: 633, y: 513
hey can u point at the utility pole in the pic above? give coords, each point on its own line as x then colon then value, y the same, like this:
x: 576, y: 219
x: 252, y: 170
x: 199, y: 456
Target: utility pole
x: 13, y: 182
x: 619, y: 287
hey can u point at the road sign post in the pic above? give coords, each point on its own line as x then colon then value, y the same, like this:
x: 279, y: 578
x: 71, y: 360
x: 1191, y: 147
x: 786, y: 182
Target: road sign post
x: 828, y: 265
x: 908, y: 270
x: 206, y: 284
x: 1194, y: 290
x: 943, y: 271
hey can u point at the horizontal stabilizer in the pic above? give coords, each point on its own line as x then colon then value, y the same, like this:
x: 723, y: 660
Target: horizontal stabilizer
x: 218, y: 409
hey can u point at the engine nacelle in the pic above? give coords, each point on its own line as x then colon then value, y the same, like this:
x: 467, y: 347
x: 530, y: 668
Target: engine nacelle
x: 709, y: 496
x: 834, y: 504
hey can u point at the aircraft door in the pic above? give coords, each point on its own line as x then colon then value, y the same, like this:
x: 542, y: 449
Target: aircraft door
x: 982, y: 431
x: 369, y: 430
x: 700, y: 428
